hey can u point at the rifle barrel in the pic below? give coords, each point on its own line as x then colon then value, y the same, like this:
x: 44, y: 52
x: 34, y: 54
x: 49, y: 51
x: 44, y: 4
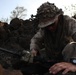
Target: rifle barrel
x: 9, y: 51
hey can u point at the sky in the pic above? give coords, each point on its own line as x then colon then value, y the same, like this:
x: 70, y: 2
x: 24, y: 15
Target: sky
x: 7, y: 6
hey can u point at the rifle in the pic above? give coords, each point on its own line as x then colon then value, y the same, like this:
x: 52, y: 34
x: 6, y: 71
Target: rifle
x: 24, y: 54
x: 11, y: 52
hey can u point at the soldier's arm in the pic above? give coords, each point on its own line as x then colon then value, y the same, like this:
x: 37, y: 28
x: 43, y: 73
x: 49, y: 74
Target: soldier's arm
x: 36, y: 41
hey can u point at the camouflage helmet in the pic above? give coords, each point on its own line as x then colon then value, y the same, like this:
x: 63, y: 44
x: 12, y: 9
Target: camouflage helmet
x: 46, y: 12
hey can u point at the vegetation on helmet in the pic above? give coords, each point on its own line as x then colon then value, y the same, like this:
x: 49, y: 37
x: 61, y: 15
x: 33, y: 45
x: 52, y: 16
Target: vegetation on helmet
x: 48, y: 10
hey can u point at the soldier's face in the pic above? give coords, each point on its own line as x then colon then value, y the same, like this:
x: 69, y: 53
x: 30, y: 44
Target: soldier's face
x: 53, y: 26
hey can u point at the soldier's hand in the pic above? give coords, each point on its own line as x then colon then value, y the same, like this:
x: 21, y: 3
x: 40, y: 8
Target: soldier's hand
x: 66, y: 67
x: 33, y: 52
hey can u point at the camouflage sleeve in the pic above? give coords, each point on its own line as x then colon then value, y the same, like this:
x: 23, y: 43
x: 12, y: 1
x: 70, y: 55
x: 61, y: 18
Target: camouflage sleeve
x: 74, y: 36
x: 36, y: 41
x: 73, y: 29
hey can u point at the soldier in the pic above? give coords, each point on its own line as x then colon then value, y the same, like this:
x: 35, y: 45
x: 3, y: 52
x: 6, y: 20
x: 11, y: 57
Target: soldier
x: 56, y: 32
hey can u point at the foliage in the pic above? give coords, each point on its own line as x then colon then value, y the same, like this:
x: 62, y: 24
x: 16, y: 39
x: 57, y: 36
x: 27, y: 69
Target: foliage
x: 71, y: 9
x: 18, y: 12
x: 4, y: 20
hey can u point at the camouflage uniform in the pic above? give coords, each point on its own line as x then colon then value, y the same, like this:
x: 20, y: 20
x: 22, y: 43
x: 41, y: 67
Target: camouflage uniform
x: 57, y: 44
